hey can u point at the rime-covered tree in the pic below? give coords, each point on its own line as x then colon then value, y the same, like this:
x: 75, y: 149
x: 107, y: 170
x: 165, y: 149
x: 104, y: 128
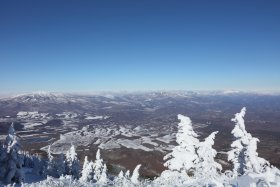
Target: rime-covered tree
x: 100, y: 169
x: 103, y: 178
x: 11, y: 160
x: 119, y: 180
x: 84, y: 173
x: 127, y: 180
x: 207, y: 170
x: 72, y: 163
x: 55, y: 166
x: 51, y: 168
x: 85, y: 163
x: 127, y: 174
x: 180, y: 161
x: 88, y: 171
x: 244, y: 154
x: 182, y: 157
x: 135, y: 175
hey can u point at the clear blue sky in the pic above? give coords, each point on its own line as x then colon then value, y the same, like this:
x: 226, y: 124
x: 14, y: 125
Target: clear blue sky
x: 83, y: 46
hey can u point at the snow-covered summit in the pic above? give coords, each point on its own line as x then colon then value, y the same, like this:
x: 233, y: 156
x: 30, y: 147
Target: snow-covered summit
x: 40, y: 97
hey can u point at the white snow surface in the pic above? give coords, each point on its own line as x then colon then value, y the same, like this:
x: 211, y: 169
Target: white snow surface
x: 108, y: 138
x: 96, y: 117
x: 32, y: 115
x: 190, y: 163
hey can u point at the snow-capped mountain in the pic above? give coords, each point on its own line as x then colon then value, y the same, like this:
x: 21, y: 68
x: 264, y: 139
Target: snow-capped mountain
x: 40, y: 97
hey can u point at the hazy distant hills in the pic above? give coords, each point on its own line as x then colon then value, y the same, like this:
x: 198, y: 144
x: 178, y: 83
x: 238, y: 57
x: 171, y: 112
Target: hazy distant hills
x: 192, y: 103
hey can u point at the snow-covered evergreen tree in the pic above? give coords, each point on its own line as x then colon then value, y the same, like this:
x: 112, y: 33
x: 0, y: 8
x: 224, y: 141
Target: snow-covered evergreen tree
x: 51, y: 168
x: 207, y: 170
x: 119, y: 180
x: 85, y: 164
x: 88, y: 171
x: 103, y: 177
x: 244, y: 154
x: 96, y: 171
x: 100, y: 169
x: 127, y: 174
x: 181, y: 161
x: 84, y: 173
x: 182, y: 157
x: 249, y: 169
x: 135, y: 175
x: 127, y: 180
x: 72, y: 163
x: 55, y: 166
x: 11, y: 160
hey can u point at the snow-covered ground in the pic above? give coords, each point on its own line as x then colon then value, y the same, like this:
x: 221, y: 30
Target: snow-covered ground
x: 98, y: 122
x: 88, y: 117
x: 109, y: 138
x: 32, y: 115
x: 190, y: 163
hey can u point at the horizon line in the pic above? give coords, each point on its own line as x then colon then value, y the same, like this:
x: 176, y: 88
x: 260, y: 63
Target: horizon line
x: 217, y: 91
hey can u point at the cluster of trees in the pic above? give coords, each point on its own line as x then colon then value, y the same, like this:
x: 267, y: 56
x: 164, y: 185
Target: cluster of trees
x: 13, y: 161
x: 190, y: 163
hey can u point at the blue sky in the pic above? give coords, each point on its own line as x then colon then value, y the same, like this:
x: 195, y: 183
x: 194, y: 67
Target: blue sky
x: 84, y: 46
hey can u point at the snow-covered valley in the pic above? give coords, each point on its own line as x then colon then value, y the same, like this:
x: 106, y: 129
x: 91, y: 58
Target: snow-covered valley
x: 190, y: 162
x: 132, y: 129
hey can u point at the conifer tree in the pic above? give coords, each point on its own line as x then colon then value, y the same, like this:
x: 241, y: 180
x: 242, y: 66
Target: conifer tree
x: 72, y: 163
